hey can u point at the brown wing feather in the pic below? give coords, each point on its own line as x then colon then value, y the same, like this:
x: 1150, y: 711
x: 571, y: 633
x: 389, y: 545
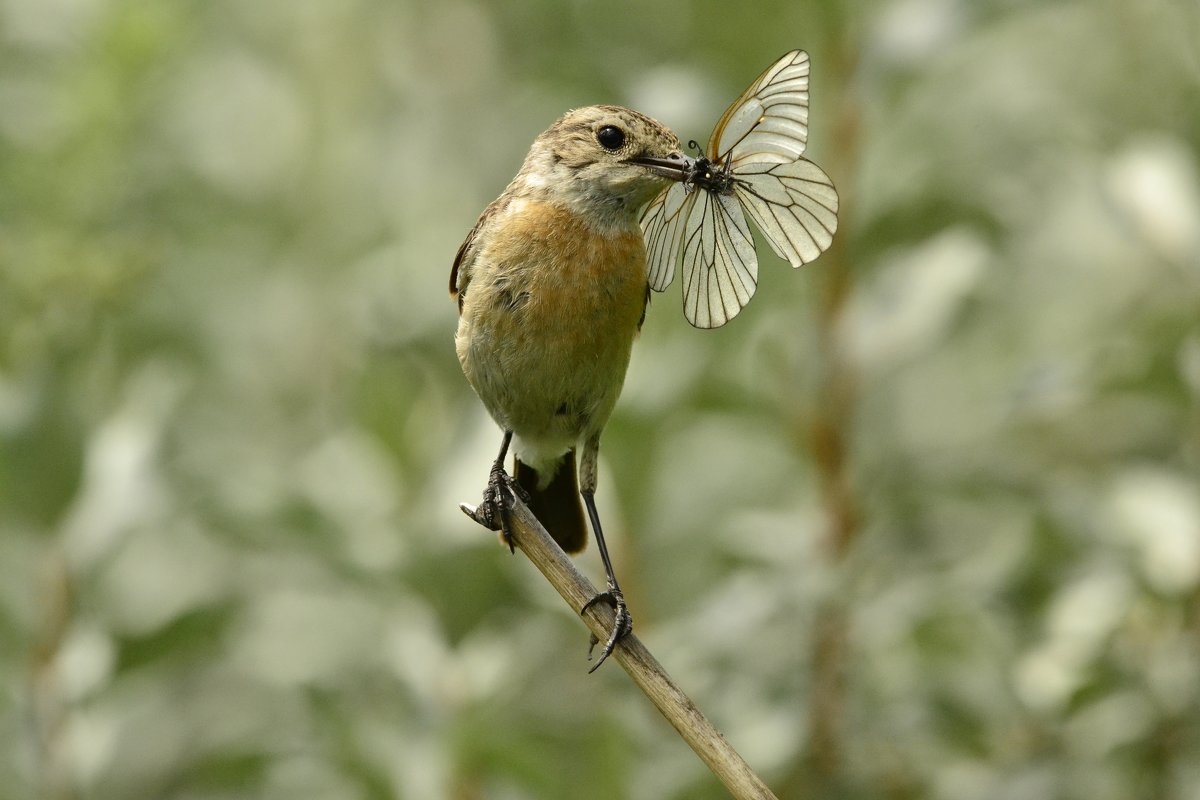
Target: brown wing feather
x: 645, y: 306
x: 466, y: 254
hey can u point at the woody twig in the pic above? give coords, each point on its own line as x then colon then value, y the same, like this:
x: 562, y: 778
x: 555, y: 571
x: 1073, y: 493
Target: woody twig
x: 649, y: 676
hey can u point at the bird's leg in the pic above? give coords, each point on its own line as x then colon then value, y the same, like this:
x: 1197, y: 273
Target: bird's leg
x: 492, y: 512
x: 623, y: 623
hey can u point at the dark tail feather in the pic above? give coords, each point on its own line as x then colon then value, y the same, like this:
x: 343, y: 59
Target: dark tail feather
x: 557, y: 506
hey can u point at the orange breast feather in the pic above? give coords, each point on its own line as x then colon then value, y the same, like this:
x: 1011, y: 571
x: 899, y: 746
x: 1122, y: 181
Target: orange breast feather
x: 577, y: 276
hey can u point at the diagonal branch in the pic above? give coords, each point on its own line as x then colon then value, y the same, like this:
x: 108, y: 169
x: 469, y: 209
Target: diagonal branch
x: 635, y: 659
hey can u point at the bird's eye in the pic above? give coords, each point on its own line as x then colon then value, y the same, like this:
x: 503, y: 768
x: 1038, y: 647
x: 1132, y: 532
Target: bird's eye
x: 611, y: 137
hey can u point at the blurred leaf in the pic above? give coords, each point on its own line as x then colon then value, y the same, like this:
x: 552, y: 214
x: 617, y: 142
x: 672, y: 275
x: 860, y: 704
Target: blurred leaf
x: 187, y: 640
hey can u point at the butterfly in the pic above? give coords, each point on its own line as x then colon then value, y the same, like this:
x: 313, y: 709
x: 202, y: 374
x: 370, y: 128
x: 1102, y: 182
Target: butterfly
x: 753, y: 163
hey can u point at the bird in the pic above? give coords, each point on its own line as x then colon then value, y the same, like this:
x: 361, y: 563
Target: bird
x: 552, y: 289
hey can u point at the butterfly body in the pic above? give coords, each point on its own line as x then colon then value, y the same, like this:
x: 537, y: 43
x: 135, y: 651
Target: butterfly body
x: 715, y: 177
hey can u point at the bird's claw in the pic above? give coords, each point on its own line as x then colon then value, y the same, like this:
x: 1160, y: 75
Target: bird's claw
x: 492, y: 512
x: 622, y: 623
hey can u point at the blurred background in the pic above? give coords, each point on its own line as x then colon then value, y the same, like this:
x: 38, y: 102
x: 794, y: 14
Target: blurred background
x: 922, y: 522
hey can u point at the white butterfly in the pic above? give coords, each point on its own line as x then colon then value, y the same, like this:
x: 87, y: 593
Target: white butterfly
x: 753, y: 162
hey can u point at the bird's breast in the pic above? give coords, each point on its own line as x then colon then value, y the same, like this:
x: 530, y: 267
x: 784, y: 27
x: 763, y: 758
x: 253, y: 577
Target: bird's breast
x: 549, y: 318
x: 564, y: 277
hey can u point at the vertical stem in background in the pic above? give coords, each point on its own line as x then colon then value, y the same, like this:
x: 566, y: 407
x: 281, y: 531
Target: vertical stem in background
x: 47, y: 713
x: 830, y: 435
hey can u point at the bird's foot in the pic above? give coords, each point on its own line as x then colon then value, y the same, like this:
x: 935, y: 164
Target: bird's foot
x: 492, y: 512
x: 622, y: 624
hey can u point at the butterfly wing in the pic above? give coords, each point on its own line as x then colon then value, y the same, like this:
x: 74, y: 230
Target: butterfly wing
x: 762, y: 137
x: 769, y: 121
x: 794, y: 205
x: 662, y: 228
x: 721, y: 268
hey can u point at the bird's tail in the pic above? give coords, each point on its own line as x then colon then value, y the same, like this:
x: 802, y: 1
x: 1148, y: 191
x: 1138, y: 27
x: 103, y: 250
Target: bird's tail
x: 557, y: 506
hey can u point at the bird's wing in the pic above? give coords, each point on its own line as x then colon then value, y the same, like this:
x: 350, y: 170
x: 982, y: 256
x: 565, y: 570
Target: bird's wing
x: 460, y: 273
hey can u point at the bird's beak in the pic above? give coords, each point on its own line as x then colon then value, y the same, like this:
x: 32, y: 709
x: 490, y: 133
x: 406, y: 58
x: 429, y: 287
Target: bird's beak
x: 676, y: 166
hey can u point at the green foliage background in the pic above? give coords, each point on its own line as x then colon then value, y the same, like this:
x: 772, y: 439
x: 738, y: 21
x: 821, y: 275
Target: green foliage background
x: 923, y: 522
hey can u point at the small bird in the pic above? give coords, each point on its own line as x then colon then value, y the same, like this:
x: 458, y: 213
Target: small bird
x: 552, y: 289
